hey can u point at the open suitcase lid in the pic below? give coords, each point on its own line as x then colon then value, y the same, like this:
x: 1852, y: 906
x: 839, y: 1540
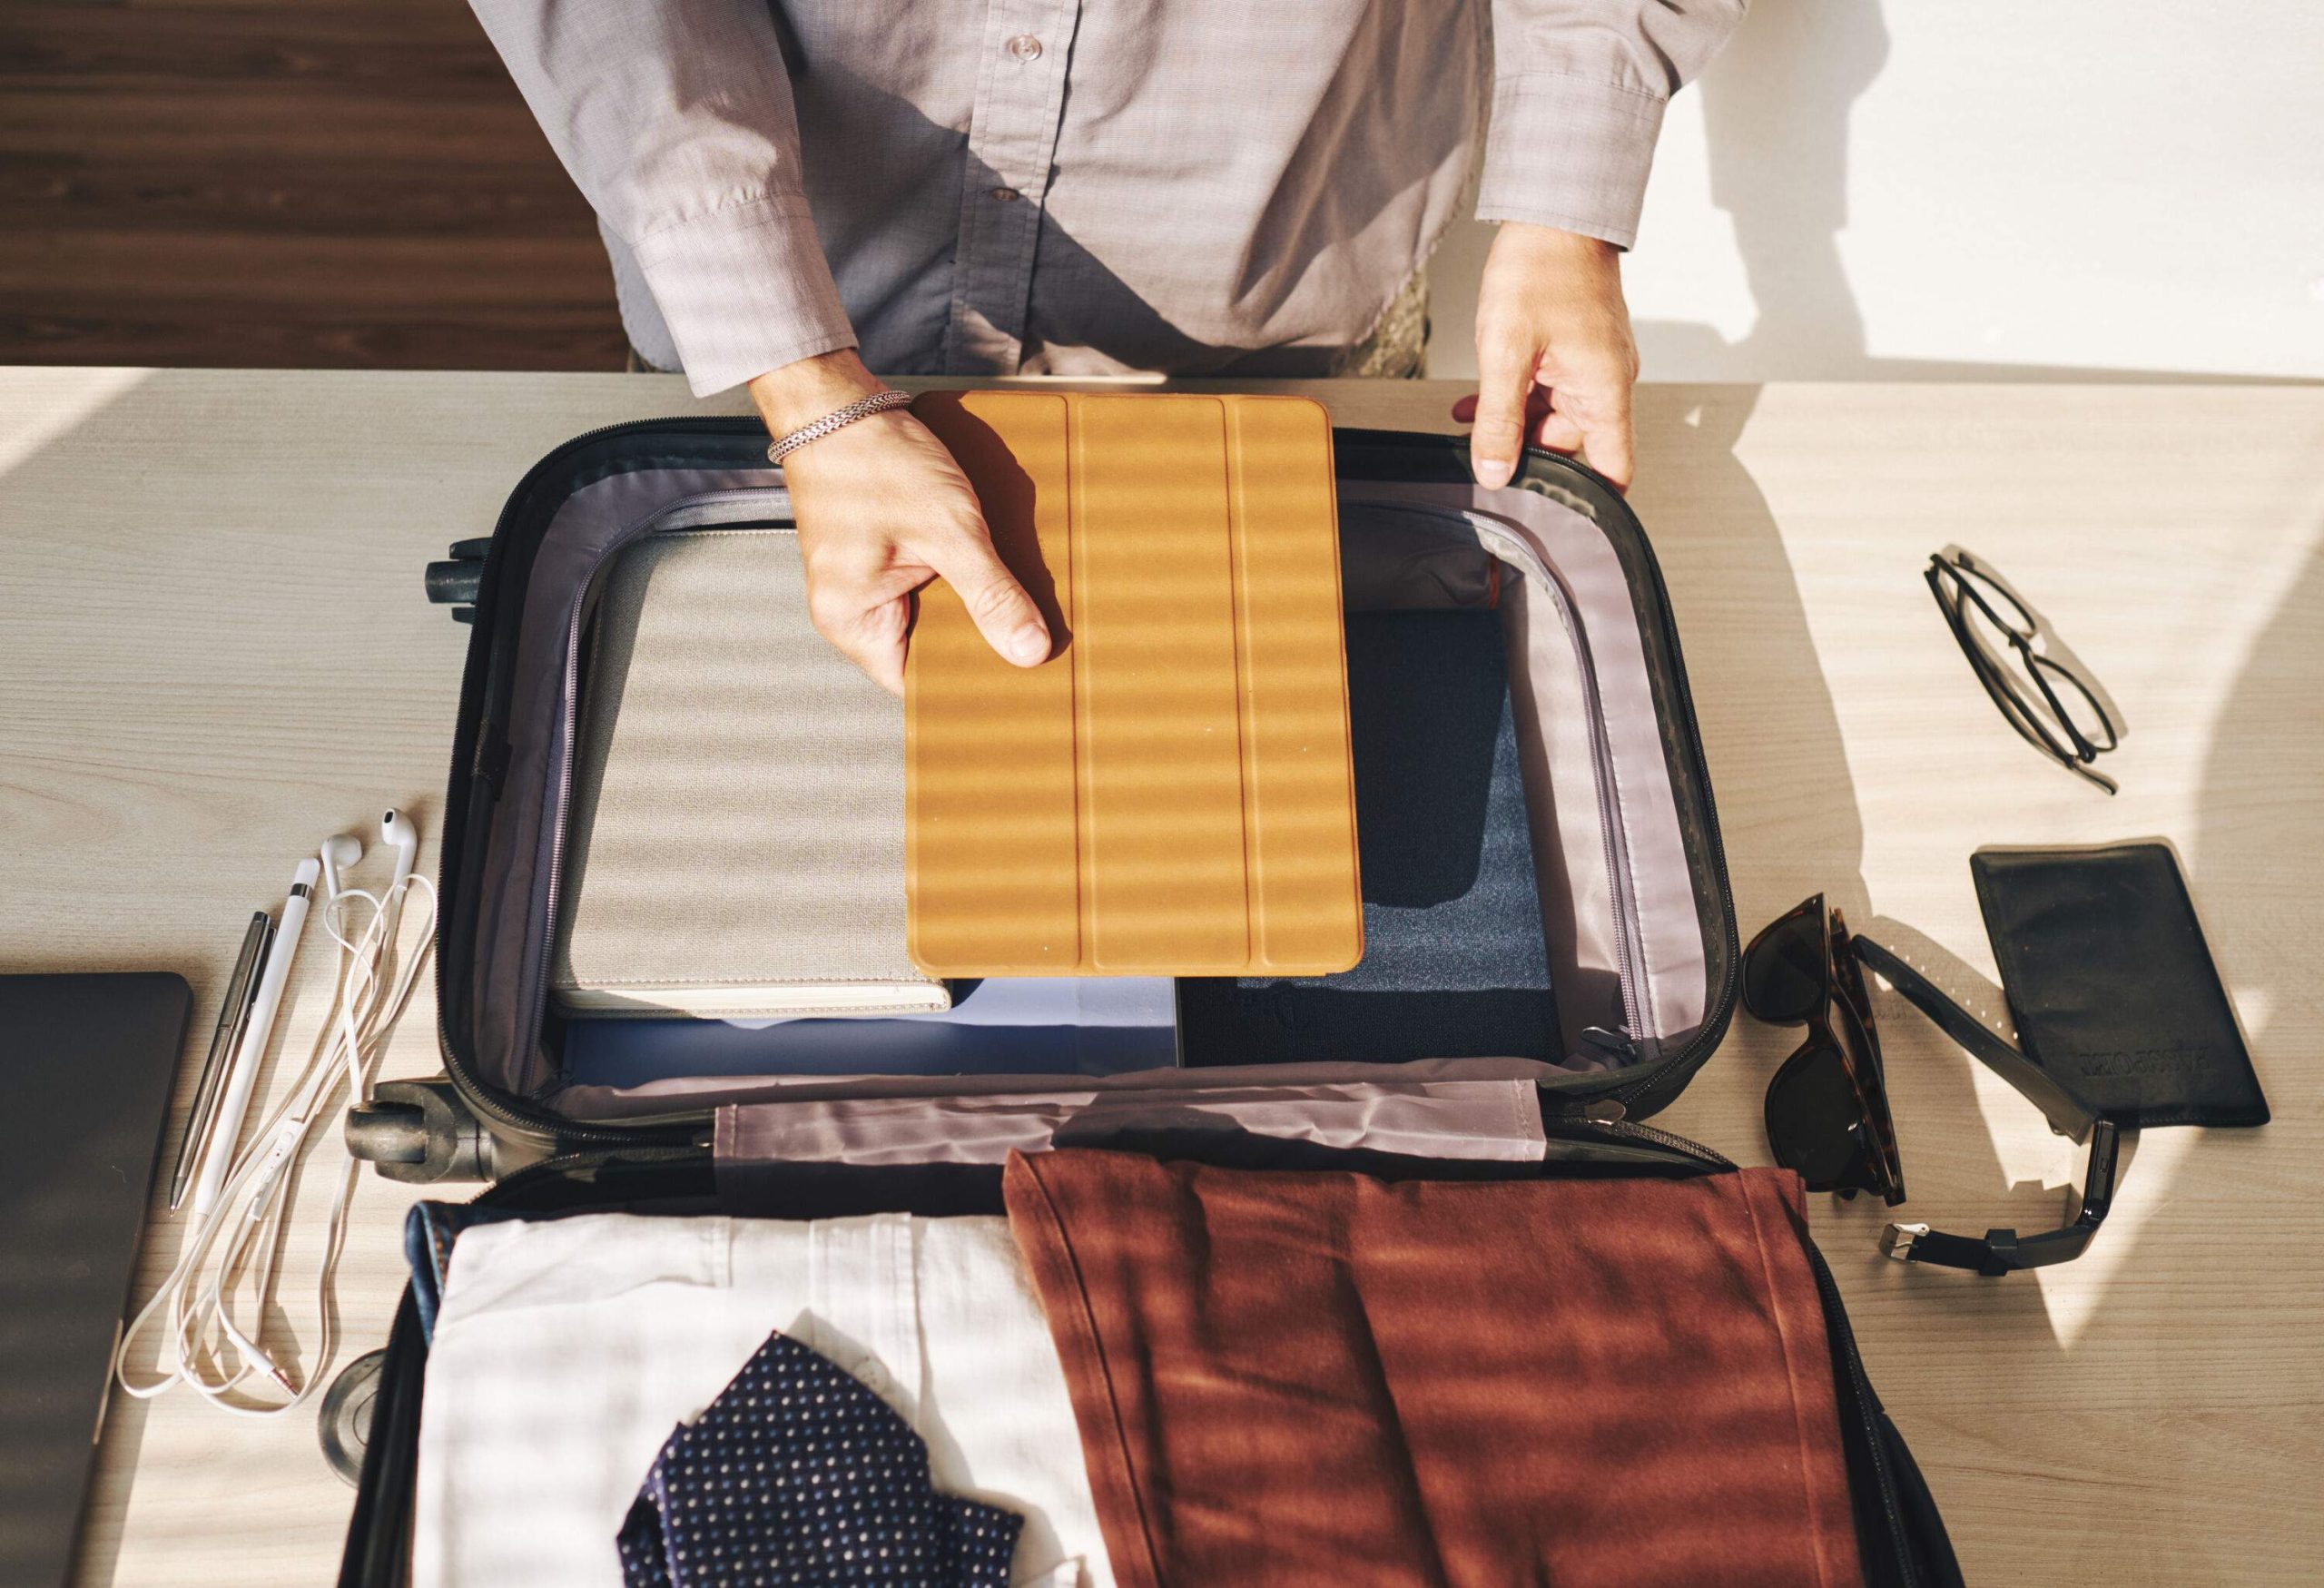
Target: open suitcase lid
x: 1636, y: 897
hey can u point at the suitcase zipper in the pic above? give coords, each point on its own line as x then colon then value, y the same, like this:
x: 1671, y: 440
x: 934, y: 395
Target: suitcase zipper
x: 676, y: 516
x: 1651, y: 1091
x: 1629, y: 946
x: 534, y: 1124
x: 1835, y: 1322
x: 1605, y: 1116
x: 565, y: 1164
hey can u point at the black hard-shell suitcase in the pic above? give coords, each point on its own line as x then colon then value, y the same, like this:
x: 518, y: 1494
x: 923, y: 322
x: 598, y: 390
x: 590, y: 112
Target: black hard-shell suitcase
x: 1640, y: 923
x: 1640, y: 920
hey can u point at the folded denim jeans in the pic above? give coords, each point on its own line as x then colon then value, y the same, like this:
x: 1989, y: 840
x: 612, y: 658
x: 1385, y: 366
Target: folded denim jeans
x: 1455, y: 959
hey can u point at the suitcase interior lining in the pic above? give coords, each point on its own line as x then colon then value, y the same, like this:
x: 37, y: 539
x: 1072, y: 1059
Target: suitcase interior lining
x: 1625, y: 934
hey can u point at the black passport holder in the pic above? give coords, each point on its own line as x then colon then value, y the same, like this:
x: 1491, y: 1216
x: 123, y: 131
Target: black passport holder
x: 2111, y: 984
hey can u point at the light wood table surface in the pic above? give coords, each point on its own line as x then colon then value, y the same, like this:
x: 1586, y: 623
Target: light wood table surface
x: 215, y: 651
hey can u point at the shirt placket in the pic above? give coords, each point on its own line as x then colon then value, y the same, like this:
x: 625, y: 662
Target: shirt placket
x: 1004, y: 188
x: 863, y: 1288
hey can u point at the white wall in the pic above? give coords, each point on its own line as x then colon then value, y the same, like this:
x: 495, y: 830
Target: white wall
x: 1966, y: 189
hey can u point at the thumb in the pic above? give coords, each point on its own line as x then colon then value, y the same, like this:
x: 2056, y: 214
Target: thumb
x: 1003, y: 613
x: 1504, y: 378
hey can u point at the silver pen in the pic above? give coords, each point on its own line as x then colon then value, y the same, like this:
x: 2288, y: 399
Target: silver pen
x: 232, y: 1015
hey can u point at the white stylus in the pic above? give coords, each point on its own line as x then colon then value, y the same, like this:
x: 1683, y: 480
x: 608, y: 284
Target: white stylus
x: 226, y: 1132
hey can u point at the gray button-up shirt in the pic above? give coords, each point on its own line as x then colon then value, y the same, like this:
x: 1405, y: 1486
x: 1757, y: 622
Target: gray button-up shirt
x: 1076, y: 186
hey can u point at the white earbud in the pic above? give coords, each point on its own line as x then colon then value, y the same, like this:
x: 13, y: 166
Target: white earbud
x: 341, y: 850
x: 397, y: 831
x: 243, y: 1193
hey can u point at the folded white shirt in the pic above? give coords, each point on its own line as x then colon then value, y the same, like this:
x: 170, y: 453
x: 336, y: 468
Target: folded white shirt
x: 566, y: 1351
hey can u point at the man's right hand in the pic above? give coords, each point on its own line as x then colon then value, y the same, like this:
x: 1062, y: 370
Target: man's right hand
x: 882, y: 509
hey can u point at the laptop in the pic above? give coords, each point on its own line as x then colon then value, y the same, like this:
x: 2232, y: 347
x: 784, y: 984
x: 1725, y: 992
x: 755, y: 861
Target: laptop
x: 86, y: 1063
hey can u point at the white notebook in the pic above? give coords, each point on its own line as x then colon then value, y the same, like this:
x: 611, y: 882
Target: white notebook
x: 735, y: 844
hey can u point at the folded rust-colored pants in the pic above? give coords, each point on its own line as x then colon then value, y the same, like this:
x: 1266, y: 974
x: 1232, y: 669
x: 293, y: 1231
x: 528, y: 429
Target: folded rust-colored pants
x: 1289, y: 1378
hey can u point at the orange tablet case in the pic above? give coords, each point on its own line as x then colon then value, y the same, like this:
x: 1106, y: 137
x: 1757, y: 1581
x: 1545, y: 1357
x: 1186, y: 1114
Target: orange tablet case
x: 1170, y: 794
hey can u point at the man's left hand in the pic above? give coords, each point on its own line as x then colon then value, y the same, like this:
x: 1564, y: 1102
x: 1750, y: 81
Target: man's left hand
x: 1555, y: 360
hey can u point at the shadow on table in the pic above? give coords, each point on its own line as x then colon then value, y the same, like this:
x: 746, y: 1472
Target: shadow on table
x: 2212, y: 1302
x: 125, y: 768
x: 2262, y: 816
x: 1792, y: 826
x: 2107, y: 1378
x: 1761, y: 697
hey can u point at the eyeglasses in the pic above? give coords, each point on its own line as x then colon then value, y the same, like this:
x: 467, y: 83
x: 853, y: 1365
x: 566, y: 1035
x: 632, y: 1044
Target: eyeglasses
x: 1828, y: 1106
x: 2040, y: 687
x: 2004, y: 1251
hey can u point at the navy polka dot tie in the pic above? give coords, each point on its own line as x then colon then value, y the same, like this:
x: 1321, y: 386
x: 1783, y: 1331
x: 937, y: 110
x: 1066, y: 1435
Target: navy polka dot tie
x: 797, y: 1473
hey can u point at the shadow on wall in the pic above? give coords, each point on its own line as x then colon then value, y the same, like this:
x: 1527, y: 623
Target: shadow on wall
x: 1775, y: 127
x: 1776, y: 106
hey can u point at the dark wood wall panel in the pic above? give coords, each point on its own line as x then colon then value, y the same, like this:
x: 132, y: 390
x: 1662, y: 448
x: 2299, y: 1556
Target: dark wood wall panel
x: 287, y: 184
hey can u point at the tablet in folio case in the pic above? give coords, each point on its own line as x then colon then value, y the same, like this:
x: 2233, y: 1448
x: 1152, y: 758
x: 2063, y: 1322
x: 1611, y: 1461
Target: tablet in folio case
x: 1170, y: 794
x: 86, y: 1063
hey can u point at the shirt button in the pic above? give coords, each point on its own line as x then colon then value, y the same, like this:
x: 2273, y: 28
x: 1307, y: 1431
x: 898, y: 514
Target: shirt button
x: 1025, y: 47
x: 1007, y: 196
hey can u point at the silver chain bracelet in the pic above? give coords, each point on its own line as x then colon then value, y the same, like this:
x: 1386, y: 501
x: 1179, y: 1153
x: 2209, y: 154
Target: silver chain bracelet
x: 839, y: 419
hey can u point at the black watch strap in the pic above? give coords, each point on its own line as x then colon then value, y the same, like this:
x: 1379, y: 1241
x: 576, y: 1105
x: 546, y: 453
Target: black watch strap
x: 2002, y: 1251
x: 2065, y: 1111
x: 1917, y: 1243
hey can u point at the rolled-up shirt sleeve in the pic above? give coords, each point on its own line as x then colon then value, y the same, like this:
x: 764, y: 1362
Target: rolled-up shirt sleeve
x: 675, y: 120
x: 1578, y: 90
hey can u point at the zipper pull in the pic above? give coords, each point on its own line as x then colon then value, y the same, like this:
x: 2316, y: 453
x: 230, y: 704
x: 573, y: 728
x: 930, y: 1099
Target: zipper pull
x: 1596, y: 1112
x: 1617, y: 1044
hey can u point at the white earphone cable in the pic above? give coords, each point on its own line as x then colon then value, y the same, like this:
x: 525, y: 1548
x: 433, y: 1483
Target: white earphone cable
x: 237, y: 1247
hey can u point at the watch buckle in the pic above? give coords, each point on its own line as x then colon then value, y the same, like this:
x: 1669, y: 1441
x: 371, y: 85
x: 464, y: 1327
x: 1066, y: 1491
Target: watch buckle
x: 1898, y: 1239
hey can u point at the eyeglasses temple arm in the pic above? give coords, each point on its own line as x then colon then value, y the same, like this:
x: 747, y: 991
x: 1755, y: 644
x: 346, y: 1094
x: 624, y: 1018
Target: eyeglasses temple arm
x: 2067, y: 1114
